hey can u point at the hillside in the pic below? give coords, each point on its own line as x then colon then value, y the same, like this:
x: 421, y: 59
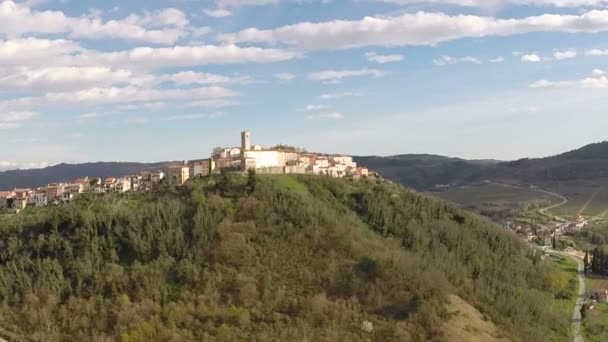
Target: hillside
x: 67, y: 172
x: 283, y: 258
x: 423, y: 172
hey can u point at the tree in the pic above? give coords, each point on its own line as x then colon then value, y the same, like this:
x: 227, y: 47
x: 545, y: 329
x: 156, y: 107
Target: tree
x: 252, y: 180
x: 586, y: 262
x: 553, y: 243
x: 223, y: 186
x: 217, y: 151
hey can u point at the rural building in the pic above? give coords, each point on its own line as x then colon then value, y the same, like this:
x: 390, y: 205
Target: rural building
x: 178, y: 174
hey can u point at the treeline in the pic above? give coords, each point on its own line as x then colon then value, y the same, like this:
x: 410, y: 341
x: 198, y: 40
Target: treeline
x: 598, y: 263
x: 255, y: 258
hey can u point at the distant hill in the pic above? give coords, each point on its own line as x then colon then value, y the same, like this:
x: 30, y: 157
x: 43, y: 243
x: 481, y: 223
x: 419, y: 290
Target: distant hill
x: 423, y: 172
x: 67, y: 172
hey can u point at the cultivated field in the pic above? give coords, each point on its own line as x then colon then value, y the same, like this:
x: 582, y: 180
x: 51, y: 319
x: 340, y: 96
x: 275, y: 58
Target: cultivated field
x: 493, y: 196
x: 586, y: 199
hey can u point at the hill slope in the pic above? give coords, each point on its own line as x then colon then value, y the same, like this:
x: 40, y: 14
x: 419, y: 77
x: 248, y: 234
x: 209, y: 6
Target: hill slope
x: 298, y: 258
x: 67, y: 172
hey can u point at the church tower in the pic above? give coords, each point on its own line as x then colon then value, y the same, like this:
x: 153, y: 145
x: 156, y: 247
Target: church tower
x: 245, y: 141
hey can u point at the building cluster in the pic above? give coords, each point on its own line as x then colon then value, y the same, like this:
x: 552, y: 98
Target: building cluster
x: 56, y: 193
x: 275, y: 160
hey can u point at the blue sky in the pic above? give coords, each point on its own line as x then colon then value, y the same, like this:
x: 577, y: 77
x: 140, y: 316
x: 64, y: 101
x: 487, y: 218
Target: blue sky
x: 167, y: 80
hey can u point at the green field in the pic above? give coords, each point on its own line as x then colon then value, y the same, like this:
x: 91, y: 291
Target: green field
x: 584, y: 198
x: 568, y: 269
x: 495, y: 197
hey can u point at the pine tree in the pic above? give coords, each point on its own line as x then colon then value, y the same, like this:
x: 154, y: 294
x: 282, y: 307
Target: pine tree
x: 252, y: 180
x: 595, y: 261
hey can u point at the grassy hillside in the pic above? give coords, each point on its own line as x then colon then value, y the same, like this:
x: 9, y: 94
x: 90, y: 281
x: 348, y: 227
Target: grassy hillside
x: 281, y: 259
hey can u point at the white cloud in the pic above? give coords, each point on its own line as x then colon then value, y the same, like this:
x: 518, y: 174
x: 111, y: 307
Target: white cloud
x: 503, y: 3
x: 336, y: 75
x: 598, y: 82
x: 284, y: 76
x: 596, y: 52
x: 14, y: 119
x: 339, y: 95
x: 499, y: 59
x: 183, y: 117
x: 53, y: 78
x: 313, y: 108
x: 561, y: 55
x: 598, y: 72
x: 531, y: 58
x: 448, y: 60
x: 191, y: 77
x: 162, y: 26
x: 241, y: 3
x: 326, y: 116
x: 382, y: 59
x: 542, y: 84
x: 421, y: 28
x: 149, y: 106
x: 34, y: 51
x: 194, y: 55
x: 12, y: 165
x: 211, y: 103
x: 217, y: 13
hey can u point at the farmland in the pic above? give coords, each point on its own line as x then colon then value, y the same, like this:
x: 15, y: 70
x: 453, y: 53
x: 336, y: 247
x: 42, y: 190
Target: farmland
x: 490, y: 198
x: 589, y: 199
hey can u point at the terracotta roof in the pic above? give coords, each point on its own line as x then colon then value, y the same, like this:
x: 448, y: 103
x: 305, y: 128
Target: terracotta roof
x: 6, y: 194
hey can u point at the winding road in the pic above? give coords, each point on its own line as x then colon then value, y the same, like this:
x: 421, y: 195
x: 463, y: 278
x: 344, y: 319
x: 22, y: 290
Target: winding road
x: 542, y: 211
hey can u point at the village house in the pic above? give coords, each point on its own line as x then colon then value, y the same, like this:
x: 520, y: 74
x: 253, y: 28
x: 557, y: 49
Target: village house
x: 5, y: 196
x: 201, y: 167
x: 177, y: 174
x: 54, y: 191
x: 38, y: 198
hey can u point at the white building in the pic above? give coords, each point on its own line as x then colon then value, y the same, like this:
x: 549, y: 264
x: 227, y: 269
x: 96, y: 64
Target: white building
x: 123, y: 184
x: 38, y: 198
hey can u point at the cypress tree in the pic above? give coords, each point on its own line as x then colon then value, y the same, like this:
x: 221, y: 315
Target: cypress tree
x: 586, y: 262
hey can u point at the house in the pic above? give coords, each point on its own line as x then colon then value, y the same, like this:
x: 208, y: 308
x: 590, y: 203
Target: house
x: 38, y: 198
x: 73, y: 189
x: 201, y: 168
x: 5, y: 196
x: 123, y: 184
x: 157, y: 176
x: 54, y: 191
x: 178, y: 174
x: 20, y: 199
x: 110, y: 184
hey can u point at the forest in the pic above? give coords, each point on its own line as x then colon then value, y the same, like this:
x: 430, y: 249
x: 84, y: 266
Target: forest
x: 265, y: 258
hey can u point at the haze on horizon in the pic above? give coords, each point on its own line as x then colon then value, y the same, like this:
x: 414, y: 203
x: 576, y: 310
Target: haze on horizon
x: 91, y: 80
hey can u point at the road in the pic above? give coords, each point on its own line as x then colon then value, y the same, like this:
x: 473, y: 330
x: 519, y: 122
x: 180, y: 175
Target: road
x: 576, y: 314
x: 542, y: 211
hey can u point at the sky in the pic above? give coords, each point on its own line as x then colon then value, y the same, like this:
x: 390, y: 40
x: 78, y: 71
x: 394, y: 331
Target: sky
x: 170, y: 80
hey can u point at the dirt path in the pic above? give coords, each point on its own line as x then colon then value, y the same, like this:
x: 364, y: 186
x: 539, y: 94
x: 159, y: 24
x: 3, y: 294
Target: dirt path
x: 580, y: 212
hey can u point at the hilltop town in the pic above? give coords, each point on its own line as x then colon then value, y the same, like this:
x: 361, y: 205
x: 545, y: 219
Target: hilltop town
x: 279, y: 159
